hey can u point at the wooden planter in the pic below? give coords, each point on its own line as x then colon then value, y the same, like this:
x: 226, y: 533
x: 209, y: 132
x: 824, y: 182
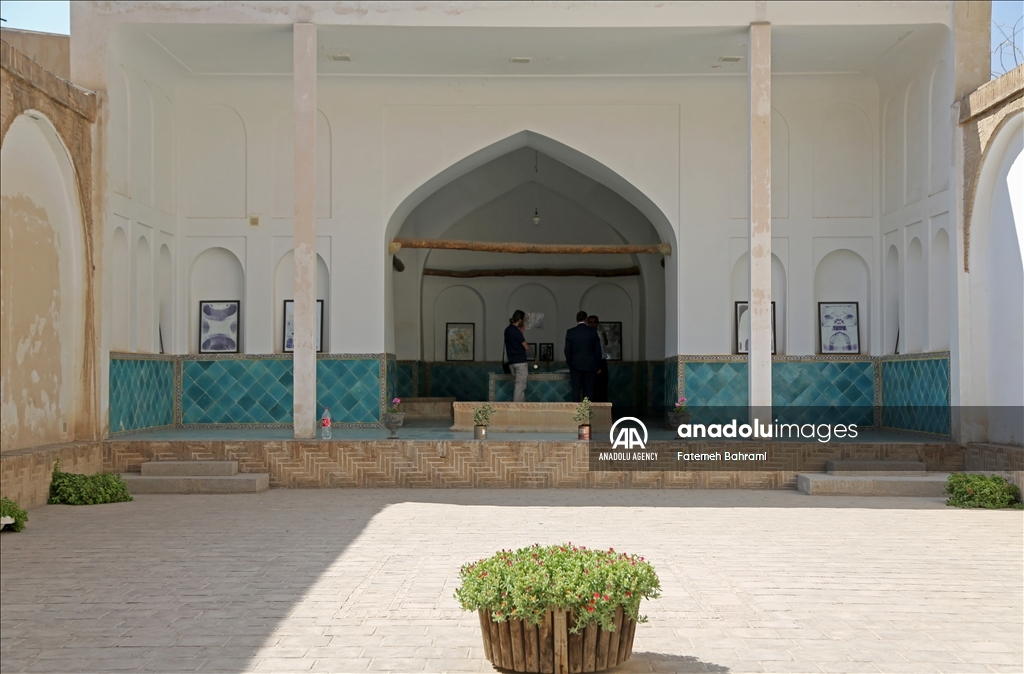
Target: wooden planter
x: 518, y: 646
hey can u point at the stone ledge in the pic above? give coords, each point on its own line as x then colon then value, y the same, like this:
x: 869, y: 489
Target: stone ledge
x: 532, y: 417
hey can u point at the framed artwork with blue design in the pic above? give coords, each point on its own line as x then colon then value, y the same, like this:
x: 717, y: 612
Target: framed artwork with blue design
x: 288, y: 339
x: 611, y: 338
x: 459, y: 341
x: 839, y: 324
x: 219, y: 323
x: 742, y: 336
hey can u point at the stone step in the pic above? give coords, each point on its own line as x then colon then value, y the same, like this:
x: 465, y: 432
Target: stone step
x: 189, y: 468
x: 242, y: 483
x: 818, y: 484
x: 880, y: 468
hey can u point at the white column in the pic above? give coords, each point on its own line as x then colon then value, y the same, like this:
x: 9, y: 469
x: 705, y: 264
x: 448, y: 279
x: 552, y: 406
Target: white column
x: 759, y: 358
x: 304, y: 108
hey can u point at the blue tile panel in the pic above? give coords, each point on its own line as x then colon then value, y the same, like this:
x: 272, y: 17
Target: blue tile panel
x: 915, y: 395
x: 671, y: 381
x: 824, y: 392
x: 350, y: 389
x: 656, y: 384
x: 236, y: 391
x: 716, y: 392
x: 406, y: 379
x: 620, y: 384
x: 392, y: 377
x: 537, y: 390
x: 141, y: 394
x: 465, y: 383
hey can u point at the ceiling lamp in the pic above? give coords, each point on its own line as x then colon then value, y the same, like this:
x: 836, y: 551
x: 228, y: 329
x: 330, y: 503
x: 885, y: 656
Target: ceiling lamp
x: 536, y: 218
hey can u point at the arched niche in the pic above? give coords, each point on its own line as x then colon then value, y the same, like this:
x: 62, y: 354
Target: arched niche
x: 121, y: 297
x: 165, y: 293
x: 283, y: 160
x: 119, y: 139
x: 41, y: 338
x: 538, y: 298
x: 917, y: 297
x: 458, y: 304
x: 284, y: 289
x: 142, y: 143
x: 215, y: 164
x: 843, y: 181
x: 915, y: 125
x: 163, y: 154
x: 143, y: 296
x: 940, y: 128
x: 997, y: 287
x: 611, y: 304
x: 739, y: 187
x: 843, y: 276
x: 892, y: 155
x: 217, y: 275
x: 741, y: 293
x: 940, y: 265
x: 891, y: 340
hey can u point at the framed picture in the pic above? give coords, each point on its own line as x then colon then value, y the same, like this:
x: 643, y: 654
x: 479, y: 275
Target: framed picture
x: 742, y: 335
x: 218, y: 326
x: 533, y: 320
x: 458, y: 341
x: 288, y: 338
x: 839, y: 327
x: 611, y: 339
x: 531, y: 351
x: 547, y: 352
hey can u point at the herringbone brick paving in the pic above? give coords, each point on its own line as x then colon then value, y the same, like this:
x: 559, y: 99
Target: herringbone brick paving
x: 362, y: 580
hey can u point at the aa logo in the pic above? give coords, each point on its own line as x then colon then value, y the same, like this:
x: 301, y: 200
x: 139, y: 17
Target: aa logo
x: 628, y: 437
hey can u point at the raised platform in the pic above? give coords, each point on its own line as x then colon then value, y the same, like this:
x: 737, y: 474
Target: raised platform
x: 533, y: 417
x: 426, y: 408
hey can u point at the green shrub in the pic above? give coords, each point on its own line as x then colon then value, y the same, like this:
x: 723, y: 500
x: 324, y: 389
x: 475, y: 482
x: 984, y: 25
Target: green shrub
x: 981, y: 491
x: 9, y: 508
x: 526, y: 583
x: 75, y: 489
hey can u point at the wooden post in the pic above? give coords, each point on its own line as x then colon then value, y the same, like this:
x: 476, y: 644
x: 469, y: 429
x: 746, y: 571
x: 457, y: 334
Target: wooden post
x: 561, y: 630
x: 544, y: 248
x: 543, y: 271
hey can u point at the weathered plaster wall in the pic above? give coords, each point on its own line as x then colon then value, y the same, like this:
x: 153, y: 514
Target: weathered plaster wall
x: 49, y: 350
x: 51, y: 51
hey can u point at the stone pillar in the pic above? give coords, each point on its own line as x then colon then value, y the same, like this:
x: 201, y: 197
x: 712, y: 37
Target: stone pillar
x: 304, y: 109
x: 759, y: 358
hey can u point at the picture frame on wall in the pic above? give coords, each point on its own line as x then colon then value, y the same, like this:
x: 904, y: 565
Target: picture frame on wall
x: 219, y: 325
x: 611, y: 338
x: 546, y: 354
x: 288, y: 328
x: 839, y: 327
x: 459, y: 341
x: 741, y: 336
x: 531, y: 352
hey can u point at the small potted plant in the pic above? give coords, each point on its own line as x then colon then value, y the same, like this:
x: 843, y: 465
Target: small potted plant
x: 582, y: 418
x: 393, y: 418
x: 481, y: 420
x: 678, y: 414
x: 560, y: 608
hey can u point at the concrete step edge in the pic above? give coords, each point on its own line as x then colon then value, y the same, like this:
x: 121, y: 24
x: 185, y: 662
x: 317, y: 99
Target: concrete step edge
x: 189, y: 468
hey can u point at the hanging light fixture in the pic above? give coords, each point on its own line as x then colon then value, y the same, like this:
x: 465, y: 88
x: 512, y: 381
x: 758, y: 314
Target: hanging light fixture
x: 536, y: 211
x: 536, y: 218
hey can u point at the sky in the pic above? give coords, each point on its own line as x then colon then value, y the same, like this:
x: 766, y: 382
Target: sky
x: 54, y: 17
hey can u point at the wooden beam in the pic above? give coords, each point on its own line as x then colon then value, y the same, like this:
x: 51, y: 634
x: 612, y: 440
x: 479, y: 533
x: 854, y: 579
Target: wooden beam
x: 476, y: 273
x: 546, y: 248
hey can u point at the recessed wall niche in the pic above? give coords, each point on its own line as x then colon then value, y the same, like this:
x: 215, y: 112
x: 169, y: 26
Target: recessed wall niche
x: 216, y: 275
x: 284, y: 285
x: 843, y: 276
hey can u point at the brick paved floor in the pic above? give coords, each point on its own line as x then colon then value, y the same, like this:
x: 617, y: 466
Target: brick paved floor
x: 362, y: 580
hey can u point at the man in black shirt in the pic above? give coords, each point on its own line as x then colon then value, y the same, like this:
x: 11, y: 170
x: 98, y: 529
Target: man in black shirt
x: 583, y: 353
x: 515, y: 349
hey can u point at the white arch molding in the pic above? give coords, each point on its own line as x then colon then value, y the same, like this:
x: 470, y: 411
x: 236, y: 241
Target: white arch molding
x: 658, y: 285
x: 284, y: 289
x: 216, y: 275
x: 844, y: 276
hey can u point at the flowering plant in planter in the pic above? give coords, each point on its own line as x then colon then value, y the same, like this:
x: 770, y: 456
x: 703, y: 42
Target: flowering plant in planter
x: 591, y: 584
x: 681, y: 405
x: 393, y: 407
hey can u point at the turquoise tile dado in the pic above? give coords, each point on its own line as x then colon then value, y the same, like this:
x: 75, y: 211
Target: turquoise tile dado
x: 392, y: 375
x: 620, y: 384
x: 716, y: 391
x: 462, y: 382
x: 350, y: 389
x: 407, y: 379
x: 538, y: 390
x: 824, y: 392
x: 236, y: 391
x: 656, y: 384
x: 915, y: 395
x: 141, y: 394
x: 671, y: 390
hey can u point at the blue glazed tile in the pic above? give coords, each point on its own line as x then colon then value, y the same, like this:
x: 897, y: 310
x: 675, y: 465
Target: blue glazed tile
x: 391, y: 366
x: 462, y: 382
x: 915, y: 395
x: 350, y: 389
x: 823, y: 392
x: 716, y: 392
x: 671, y: 381
x: 620, y: 384
x: 236, y: 391
x: 537, y: 391
x: 141, y: 394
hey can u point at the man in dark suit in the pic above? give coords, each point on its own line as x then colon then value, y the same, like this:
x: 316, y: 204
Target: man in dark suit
x: 583, y: 353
